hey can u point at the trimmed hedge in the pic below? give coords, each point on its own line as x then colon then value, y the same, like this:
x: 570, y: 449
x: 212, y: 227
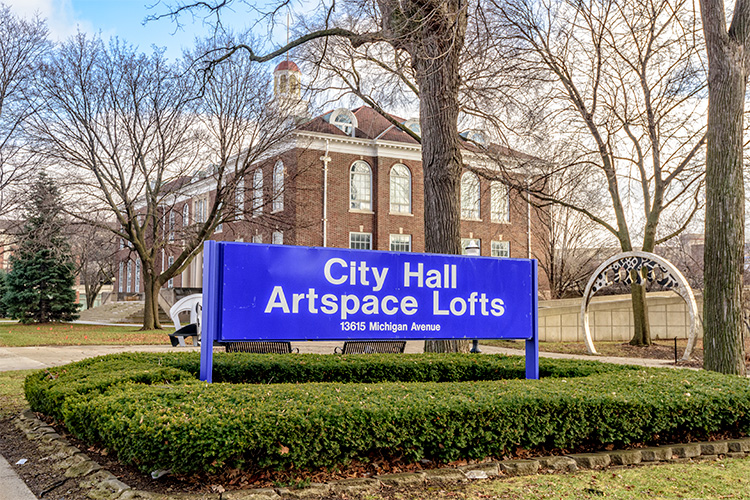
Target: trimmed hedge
x: 160, y: 417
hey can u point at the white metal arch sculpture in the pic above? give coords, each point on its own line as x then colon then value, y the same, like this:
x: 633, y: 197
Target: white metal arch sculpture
x: 647, y: 267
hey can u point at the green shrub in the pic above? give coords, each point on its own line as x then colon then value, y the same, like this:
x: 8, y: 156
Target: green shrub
x: 152, y: 411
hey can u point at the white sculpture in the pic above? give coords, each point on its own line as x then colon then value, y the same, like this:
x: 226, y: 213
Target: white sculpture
x: 618, y: 269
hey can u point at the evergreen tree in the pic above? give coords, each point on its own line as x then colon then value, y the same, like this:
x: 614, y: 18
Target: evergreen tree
x: 3, y: 277
x: 39, y: 287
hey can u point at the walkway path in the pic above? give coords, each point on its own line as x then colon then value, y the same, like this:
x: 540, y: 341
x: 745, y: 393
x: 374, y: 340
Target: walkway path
x: 29, y: 358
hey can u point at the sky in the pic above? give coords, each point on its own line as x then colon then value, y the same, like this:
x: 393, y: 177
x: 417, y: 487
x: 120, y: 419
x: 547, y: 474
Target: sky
x: 121, y: 18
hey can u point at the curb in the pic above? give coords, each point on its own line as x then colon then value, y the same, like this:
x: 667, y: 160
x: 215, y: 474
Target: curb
x: 103, y: 485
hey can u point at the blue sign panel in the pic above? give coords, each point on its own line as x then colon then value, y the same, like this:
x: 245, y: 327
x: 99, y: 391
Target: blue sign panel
x: 277, y: 292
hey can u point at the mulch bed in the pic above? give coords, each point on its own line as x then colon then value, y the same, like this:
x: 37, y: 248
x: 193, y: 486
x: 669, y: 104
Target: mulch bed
x: 48, y: 483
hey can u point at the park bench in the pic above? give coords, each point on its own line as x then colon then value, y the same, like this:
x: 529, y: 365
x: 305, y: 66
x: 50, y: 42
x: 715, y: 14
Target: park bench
x: 259, y: 347
x: 371, y: 347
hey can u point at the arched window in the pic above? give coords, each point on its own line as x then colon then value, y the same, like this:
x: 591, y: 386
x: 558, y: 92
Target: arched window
x: 499, y: 202
x: 413, y: 124
x: 360, y: 186
x: 469, y: 196
x: 278, y: 186
x: 129, y: 283
x: 344, y: 120
x: 400, y: 189
x: 120, y: 278
x: 258, y: 192
x: 186, y: 214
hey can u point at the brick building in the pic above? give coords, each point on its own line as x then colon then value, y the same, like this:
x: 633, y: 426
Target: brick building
x: 348, y: 179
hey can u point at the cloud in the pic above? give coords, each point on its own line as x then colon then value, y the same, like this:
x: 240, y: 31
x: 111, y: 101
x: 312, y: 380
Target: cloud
x: 59, y: 14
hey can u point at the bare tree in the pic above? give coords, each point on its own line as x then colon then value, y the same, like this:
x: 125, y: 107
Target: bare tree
x: 132, y: 128
x: 23, y: 45
x: 575, y: 243
x: 728, y: 66
x: 93, y: 251
x: 622, y: 81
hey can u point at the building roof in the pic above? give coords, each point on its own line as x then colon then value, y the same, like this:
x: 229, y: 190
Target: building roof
x: 372, y: 125
x: 287, y: 66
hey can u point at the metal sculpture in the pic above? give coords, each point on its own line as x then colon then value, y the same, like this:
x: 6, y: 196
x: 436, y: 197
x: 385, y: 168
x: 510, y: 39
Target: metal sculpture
x: 630, y: 267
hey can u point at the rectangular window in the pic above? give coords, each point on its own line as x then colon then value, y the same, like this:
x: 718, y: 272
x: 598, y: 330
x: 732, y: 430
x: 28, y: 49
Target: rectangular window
x: 277, y: 238
x: 239, y: 201
x: 466, y: 241
x: 119, y: 278
x: 171, y: 225
x: 400, y: 243
x: 257, y: 238
x: 130, y: 277
x: 500, y: 249
x: 219, y: 228
x: 170, y: 261
x: 360, y: 241
x: 137, y: 275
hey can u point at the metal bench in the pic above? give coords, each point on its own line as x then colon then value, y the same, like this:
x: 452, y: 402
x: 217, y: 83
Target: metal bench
x: 260, y: 347
x: 371, y: 347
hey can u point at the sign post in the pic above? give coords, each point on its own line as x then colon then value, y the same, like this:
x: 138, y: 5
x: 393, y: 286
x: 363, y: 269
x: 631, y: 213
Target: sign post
x: 291, y: 293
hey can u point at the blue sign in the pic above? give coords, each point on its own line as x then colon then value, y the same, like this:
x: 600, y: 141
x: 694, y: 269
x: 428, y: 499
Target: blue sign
x: 290, y: 293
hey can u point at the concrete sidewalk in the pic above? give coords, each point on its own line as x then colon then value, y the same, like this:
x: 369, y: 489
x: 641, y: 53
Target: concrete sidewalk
x: 13, y: 487
x: 29, y: 358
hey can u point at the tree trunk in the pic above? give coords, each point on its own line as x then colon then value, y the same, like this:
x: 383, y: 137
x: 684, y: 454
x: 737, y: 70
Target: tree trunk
x: 151, y: 303
x: 447, y: 346
x: 725, y: 210
x: 435, y: 59
x: 642, y: 330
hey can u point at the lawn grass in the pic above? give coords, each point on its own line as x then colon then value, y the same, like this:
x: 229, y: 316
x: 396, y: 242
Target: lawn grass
x: 12, y: 400
x: 58, y: 334
x: 728, y: 478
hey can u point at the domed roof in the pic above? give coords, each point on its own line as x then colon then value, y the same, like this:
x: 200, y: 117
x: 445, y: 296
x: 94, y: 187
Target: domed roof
x: 287, y: 65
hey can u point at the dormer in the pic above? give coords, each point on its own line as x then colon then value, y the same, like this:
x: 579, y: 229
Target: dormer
x: 478, y: 137
x: 344, y: 120
x: 413, y: 125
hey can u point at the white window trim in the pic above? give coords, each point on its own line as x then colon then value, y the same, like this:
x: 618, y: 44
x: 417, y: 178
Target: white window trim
x: 391, y: 238
x: 408, y: 178
x: 352, y: 233
x: 492, y: 249
x: 361, y: 201
x: 478, y: 202
x: 137, y: 275
x: 494, y: 186
x: 170, y: 261
x: 278, y: 182
x: 465, y: 242
x: 258, y: 192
